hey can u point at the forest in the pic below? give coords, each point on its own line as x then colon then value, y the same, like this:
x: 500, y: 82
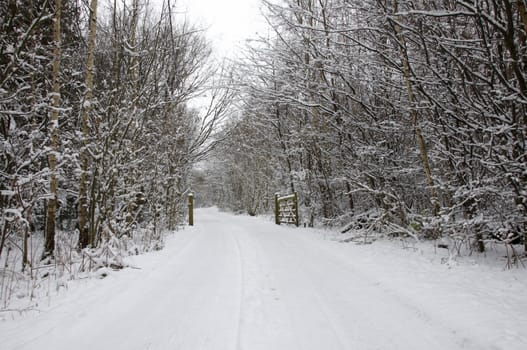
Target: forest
x: 398, y: 117
x: 401, y: 118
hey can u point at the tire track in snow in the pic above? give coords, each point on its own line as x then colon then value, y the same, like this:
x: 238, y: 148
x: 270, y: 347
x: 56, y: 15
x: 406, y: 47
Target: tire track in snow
x: 264, y: 322
x: 300, y: 265
x: 241, y: 285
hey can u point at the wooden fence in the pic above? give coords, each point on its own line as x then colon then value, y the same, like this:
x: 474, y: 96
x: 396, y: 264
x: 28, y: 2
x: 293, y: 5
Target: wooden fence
x: 286, y: 209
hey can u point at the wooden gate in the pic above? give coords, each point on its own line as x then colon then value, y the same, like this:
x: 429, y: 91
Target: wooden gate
x: 286, y: 209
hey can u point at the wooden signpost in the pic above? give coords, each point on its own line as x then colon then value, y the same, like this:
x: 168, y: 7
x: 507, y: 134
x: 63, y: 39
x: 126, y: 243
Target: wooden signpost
x: 286, y: 209
x: 191, y: 209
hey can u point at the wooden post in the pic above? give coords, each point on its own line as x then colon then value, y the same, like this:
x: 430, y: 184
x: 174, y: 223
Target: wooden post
x: 295, y: 203
x: 191, y: 209
x: 276, y: 210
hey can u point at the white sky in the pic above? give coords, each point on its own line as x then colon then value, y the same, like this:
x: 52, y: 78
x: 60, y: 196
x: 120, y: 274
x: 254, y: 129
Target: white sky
x: 229, y: 22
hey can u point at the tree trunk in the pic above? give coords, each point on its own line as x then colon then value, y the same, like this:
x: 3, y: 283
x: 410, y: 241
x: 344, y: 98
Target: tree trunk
x: 523, y: 14
x: 350, y: 197
x: 25, y: 259
x: 49, y: 244
x: 84, y: 232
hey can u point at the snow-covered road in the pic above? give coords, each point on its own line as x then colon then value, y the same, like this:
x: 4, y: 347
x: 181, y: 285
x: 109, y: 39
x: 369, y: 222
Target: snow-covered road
x: 236, y: 282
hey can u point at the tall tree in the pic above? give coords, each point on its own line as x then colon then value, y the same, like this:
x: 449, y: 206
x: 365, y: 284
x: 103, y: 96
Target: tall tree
x: 49, y: 244
x: 87, y: 107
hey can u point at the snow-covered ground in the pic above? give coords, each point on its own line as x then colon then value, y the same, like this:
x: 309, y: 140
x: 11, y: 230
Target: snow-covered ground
x: 237, y: 282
